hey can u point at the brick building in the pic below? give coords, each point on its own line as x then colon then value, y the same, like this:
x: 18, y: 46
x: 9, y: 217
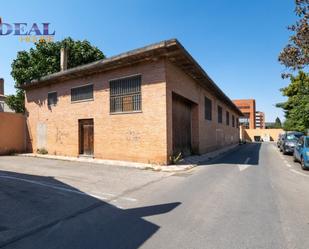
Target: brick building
x: 144, y: 105
x: 247, y: 107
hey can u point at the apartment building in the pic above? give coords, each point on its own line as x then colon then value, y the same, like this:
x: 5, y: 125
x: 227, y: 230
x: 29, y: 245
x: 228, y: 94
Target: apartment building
x: 248, y: 108
x: 260, y: 120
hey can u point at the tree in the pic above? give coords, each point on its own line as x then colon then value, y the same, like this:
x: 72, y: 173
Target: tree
x: 296, y: 108
x: 44, y: 59
x: 16, y: 102
x: 295, y: 56
x: 278, y: 123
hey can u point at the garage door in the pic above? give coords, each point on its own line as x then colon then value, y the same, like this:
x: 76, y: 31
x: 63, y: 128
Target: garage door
x: 181, y: 126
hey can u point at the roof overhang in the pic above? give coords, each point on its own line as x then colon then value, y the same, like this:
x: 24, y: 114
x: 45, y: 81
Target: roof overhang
x: 170, y: 49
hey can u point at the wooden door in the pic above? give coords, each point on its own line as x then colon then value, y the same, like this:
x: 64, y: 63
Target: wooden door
x: 86, y: 137
x: 182, y: 126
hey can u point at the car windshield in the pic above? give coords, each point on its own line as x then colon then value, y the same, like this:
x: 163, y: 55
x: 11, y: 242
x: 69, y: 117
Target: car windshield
x: 293, y: 136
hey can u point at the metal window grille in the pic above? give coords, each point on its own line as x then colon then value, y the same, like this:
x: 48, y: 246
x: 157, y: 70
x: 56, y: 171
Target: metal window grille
x: 227, y: 118
x: 219, y: 114
x: 125, y: 94
x: 233, y: 121
x: 52, y: 98
x: 82, y: 93
x: 208, y: 108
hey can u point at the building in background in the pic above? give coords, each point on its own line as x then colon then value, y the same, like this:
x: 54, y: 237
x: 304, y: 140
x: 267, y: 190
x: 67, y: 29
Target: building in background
x: 260, y: 120
x: 3, y: 106
x: 247, y: 107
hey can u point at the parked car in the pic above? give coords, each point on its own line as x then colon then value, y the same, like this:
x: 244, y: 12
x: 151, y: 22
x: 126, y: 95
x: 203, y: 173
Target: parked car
x: 279, y: 141
x: 301, y: 152
x: 289, y: 141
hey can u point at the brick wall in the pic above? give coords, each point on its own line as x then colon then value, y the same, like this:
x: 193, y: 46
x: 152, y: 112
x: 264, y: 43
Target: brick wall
x: 134, y: 137
x: 207, y: 135
x: 12, y: 133
x: 142, y: 137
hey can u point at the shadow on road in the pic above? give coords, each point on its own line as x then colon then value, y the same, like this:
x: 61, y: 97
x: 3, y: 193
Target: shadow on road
x: 41, y: 212
x: 247, y: 154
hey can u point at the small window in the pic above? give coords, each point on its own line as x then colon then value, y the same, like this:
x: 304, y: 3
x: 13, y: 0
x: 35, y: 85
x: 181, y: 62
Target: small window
x: 52, y: 98
x: 219, y: 114
x: 82, y: 93
x: 125, y: 94
x: 233, y: 121
x: 237, y: 122
x: 227, y: 118
x: 208, y: 108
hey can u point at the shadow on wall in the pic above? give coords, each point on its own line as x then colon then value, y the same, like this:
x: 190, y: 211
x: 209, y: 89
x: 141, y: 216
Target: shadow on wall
x: 248, y: 154
x: 41, y: 212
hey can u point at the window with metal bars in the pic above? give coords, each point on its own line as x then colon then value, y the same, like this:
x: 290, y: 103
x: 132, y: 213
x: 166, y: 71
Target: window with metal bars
x: 227, y: 118
x: 52, y: 98
x: 82, y: 93
x: 219, y: 114
x: 208, y: 107
x: 125, y: 94
x: 233, y: 121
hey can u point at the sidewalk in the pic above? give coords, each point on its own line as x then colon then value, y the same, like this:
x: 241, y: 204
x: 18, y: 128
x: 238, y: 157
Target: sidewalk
x: 185, y: 164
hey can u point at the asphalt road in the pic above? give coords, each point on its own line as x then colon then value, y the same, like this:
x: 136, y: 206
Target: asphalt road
x: 253, y: 197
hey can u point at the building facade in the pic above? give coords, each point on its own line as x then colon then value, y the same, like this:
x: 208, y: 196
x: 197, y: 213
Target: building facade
x: 247, y: 107
x: 145, y: 105
x: 260, y: 120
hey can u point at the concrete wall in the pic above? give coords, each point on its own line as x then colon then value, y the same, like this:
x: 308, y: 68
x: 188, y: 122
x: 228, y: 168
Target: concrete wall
x: 137, y: 137
x: 12, y: 133
x: 248, y: 134
x: 207, y: 135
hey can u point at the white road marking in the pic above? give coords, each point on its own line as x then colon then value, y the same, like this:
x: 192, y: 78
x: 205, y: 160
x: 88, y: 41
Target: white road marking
x: 98, y: 196
x: 128, y: 198
x: 242, y: 167
x: 299, y: 173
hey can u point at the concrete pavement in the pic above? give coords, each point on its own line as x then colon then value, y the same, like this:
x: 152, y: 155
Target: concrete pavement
x: 249, y: 198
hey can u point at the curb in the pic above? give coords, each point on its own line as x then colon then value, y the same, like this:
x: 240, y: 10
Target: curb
x: 144, y: 166
x: 187, y: 164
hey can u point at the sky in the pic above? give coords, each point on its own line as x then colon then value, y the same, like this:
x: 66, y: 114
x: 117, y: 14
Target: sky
x: 236, y: 42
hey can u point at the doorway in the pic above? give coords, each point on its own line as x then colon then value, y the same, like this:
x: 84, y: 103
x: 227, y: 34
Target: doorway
x: 182, y: 126
x: 85, y: 137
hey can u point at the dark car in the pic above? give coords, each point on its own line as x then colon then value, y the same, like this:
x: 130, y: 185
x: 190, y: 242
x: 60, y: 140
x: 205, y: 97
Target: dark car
x: 289, y: 141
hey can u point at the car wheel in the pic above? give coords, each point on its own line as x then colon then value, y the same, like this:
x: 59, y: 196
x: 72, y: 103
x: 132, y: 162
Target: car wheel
x: 302, y: 163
